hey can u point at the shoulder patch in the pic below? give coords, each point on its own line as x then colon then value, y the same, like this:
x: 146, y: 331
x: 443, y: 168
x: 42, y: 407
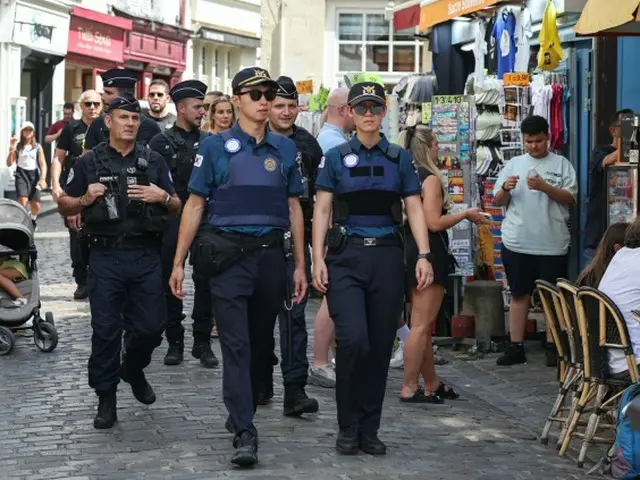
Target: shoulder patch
x: 321, y: 162
x: 198, y: 160
x: 70, y: 177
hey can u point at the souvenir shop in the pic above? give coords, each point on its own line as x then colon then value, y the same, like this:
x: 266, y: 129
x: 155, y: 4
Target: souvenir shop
x: 509, y: 60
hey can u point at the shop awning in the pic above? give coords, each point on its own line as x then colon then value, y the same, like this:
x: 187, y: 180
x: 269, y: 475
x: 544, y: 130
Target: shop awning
x: 439, y: 11
x: 599, y: 18
x: 406, y: 15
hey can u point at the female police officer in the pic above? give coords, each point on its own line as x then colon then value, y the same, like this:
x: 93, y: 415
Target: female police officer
x: 253, y: 185
x: 363, y: 277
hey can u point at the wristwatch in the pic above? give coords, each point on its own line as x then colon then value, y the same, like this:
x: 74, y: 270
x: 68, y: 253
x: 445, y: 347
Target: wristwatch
x: 502, y: 187
x: 167, y: 201
x: 426, y: 256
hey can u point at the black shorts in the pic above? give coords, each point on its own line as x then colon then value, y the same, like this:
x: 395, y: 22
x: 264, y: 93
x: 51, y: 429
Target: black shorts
x: 26, y: 182
x: 522, y: 270
x: 442, y: 262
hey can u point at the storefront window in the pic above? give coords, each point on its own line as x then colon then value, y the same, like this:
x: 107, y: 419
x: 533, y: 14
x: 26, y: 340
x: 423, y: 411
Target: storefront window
x: 367, y: 42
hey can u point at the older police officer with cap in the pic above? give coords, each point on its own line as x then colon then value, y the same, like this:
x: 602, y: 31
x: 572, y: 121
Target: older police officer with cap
x: 124, y: 193
x: 363, y: 277
x: 179, y: 146
x: 118, y: 82
x: 253, y: 185
x: 295, y: 366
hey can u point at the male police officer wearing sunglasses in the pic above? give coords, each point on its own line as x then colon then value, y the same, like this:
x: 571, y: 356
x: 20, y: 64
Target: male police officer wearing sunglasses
x: 253, y: 185
x: 124, y: 193
x: 179, y: 145
x: 366, y: 179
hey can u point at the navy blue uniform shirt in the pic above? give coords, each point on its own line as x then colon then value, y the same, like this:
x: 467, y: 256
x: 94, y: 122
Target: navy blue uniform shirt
x: 98, y: 132
x: 83, y: 171
x: 332, y: 168
x: 211, y: 167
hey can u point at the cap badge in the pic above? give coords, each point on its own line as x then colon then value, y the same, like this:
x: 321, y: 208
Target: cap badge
x: 351, y: 160
x: 260, y: 73
x: 270, y: 164
x: 232, y: 145
x: 368, y: 90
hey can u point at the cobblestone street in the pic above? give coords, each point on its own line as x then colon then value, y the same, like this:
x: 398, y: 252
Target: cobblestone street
x: 46, y: 412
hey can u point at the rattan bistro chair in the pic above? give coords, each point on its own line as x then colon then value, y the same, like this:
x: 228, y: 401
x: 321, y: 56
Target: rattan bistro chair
x: 602, y: 328
x: 569, y: 373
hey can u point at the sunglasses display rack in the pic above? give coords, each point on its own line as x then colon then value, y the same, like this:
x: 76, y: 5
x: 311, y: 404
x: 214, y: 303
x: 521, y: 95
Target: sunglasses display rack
x: 452, y: 121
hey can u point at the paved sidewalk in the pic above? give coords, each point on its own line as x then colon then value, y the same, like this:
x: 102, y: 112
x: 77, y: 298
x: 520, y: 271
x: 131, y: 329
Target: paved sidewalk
x: 46, y: 410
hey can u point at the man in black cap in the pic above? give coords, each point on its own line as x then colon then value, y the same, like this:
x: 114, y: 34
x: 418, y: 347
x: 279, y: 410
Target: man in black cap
x: 124, y: 193
x: 249, y: 177
x: 117, y: 82
x: 282, y: 117
x: 179, y: 146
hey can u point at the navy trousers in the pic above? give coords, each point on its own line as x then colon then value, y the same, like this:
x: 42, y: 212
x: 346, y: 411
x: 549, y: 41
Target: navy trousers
x: 202, y: 310
x: 246, y: 299
x: 365, y: 295
x: 125, y: 293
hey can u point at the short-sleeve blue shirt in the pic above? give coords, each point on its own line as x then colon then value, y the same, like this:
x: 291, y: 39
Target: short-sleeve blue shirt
x: 211, y: 167
x: 332, y: 169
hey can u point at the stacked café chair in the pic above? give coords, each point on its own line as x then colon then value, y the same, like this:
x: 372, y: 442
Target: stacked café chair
x: 602, y: 330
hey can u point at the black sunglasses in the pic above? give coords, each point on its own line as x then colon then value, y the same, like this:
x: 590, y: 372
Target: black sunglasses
x: 256, y: 95
x: 363, y: 109
x: 156, y: 94
x: 92, y: 104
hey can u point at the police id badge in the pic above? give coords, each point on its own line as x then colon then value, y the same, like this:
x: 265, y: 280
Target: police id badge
x: 351, y: 160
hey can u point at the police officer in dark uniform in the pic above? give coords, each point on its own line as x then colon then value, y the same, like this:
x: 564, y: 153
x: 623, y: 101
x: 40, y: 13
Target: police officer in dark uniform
x: 124, y: 193
x: 179, y: 145
x: 282, y: 117
x: 69, y: 147
x: 363, y: 276
x: 250, y: 177
x: 116, y: 82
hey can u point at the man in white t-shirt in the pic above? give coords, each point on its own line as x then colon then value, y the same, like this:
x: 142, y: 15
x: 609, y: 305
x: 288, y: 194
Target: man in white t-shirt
x: 620, y: 284
x: 536, y: 190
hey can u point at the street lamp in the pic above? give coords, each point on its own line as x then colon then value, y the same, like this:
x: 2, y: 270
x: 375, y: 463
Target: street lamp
x: 388, y: 10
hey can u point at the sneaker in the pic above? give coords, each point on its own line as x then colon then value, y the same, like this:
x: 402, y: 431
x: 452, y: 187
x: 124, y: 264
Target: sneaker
x: 16, y: 303
x: 514, y: 355
x: 397, y: 360
x: 324, y: 376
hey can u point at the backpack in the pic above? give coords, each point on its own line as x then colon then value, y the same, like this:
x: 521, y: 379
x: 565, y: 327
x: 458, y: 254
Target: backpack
x: 625, y: 452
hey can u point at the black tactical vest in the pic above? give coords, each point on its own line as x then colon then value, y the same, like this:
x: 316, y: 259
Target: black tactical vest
x: 114, y: 214
x: 180, y: 161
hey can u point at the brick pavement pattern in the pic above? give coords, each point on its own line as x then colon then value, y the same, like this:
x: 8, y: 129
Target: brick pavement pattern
x: 46, y: 412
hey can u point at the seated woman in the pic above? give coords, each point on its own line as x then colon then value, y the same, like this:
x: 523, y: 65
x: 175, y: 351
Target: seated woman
x: 620, y: 284
x: 11, y: 271
x: 611, y: 242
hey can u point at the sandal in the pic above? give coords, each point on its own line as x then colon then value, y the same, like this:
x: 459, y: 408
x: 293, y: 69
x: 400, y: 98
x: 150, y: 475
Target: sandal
x: 420, y: 397
x: 444, y: 391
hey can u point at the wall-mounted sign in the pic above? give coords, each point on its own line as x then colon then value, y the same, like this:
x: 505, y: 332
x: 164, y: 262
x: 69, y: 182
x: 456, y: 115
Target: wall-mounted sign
x: 41, y: 30
x: 443, y: 10
x: 304, y: 87
x: 95, y: 39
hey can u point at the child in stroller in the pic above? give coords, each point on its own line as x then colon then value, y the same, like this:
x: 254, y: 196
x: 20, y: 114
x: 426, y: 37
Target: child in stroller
x: 11, y: 271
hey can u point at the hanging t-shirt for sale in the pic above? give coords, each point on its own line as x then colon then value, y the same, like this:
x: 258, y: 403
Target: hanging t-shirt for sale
x: 522, y: 36
x: 503, y: 33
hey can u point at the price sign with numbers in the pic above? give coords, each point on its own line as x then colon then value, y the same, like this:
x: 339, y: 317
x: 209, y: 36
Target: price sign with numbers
x: 516, y: 79
x: 441, y: 99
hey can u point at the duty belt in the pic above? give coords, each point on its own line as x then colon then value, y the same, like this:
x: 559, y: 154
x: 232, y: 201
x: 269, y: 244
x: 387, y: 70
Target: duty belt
x: 272, y: 239
x: 126, y: 242
x: 388, y: 241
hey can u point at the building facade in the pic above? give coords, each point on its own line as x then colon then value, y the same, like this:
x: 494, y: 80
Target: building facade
x: 226, y: 38
x: 340, y: 36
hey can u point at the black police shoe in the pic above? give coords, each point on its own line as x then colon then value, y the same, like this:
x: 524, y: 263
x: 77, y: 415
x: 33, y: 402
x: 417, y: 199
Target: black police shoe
x: 202, y: 351
x: 107, y: 414
x: 296, y: 401
x: 371, y: 444
x: 175, y: 354
x: 246, y: 445
x: 348, y: 441
x: 139, y: 386
x: 514, y: 355
x: 265, y: 395
x: 81, y: 293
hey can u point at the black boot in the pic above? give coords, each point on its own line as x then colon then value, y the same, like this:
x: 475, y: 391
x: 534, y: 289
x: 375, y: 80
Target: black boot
x: 139, y: 385
x: 202, y: 350
x: 514, y: 355
x: 265, y: 394
x: 107, y: 414
x: 81, y: 293
x: 175, y: 354
x: 371, y: 444
x: 246, y: 445
x: 348, y: 441
x: 296, y: 401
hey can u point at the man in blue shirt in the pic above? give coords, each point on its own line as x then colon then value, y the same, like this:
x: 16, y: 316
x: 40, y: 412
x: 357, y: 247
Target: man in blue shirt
x: 250, y: 179
x: 366, y: 179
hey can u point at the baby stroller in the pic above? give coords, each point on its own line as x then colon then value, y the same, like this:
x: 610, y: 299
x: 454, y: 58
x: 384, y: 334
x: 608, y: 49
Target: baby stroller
x: 16, y: 240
